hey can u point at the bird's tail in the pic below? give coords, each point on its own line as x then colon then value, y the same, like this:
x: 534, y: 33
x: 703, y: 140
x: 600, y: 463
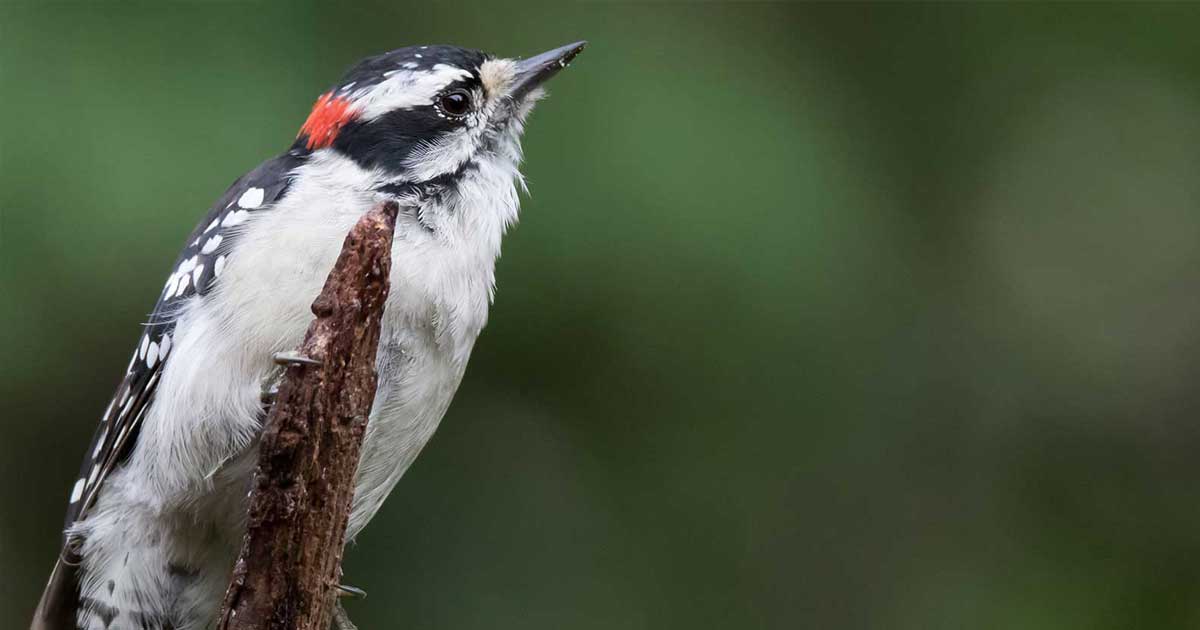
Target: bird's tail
x: 60, y: 600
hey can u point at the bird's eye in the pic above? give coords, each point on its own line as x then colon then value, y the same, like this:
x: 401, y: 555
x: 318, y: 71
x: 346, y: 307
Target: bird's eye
x: 455, y: 103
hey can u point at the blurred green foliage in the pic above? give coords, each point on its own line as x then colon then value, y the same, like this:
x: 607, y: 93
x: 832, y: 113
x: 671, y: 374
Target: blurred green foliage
x: 819, y: 316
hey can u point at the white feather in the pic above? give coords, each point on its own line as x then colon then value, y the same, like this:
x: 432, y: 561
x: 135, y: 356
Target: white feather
x: 179, y: 498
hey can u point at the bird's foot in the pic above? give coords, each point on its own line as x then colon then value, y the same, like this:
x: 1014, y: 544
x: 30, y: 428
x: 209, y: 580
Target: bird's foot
x: 345, y: 590
x: 269, y: 394
x: 341, y: 621
x: 293, y: 358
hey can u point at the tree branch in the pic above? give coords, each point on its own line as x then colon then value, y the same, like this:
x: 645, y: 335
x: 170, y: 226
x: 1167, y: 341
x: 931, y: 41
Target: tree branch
x: 291, y: 555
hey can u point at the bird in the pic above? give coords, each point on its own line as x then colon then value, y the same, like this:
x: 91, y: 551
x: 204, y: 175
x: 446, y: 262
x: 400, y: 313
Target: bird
x: 157, y: 513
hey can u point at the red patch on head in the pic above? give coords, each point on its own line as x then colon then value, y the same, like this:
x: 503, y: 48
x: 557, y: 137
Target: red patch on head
x: 328, y: 116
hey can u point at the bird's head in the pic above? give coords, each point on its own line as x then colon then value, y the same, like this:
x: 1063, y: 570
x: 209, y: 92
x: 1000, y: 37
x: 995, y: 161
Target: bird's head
x: 426, y: 118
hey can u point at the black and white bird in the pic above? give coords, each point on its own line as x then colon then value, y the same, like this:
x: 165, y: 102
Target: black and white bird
x: 157, y: 514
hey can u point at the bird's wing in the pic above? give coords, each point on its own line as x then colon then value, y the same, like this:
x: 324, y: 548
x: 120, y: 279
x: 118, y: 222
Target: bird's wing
x: 195, y: 273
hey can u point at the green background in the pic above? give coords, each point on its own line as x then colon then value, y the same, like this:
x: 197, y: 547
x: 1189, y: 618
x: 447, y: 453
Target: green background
x: 818, y: 316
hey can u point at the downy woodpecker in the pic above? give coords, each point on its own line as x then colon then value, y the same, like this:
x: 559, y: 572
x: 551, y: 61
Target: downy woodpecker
x: 158, y: 511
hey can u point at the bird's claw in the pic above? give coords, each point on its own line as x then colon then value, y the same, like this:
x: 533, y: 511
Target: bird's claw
x: 269, y: 394
x: 293, y: 358
x: 345, y: 590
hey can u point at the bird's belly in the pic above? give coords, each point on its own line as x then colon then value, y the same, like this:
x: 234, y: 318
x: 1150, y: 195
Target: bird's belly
x: 417, y: 381
x: 262, y: 306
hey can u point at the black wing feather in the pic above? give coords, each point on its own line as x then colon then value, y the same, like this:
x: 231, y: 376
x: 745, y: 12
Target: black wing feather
x: 195, y: 272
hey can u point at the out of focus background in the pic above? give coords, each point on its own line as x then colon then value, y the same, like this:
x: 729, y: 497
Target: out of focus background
x: 818, y: 316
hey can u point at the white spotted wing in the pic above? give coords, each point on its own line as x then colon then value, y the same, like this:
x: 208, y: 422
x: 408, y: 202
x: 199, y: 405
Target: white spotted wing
x: 194, y: 274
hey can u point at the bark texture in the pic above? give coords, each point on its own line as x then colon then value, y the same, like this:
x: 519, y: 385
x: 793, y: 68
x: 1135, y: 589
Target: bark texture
x: 291, y: 555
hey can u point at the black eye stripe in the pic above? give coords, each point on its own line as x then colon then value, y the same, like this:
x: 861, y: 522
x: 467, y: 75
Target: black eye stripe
x: 389, y: 140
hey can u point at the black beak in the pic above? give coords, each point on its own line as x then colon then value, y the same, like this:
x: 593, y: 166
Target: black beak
x: 534, y: 71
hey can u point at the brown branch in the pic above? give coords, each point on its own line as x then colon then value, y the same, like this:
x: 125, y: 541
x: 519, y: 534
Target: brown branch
x: 291, y: 555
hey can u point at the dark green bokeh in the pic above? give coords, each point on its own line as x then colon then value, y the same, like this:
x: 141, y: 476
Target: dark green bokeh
x: 824, y: 317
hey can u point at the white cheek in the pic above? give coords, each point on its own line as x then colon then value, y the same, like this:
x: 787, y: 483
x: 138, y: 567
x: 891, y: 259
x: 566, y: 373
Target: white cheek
x: 444, y: 156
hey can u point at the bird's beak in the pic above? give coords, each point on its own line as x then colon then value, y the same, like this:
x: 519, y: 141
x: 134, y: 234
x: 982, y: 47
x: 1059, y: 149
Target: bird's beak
x: 534, y: 71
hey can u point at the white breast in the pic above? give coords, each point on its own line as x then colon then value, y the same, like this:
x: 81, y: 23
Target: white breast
x: 208, y: 402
